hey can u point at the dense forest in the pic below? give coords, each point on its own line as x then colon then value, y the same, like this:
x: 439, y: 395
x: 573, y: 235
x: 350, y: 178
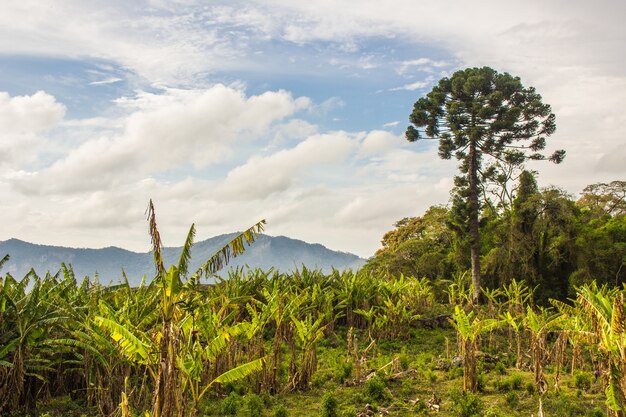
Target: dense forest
x: 545, y: 237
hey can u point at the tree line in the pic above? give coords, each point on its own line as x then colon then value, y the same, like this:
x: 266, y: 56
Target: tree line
x: 544, y: 237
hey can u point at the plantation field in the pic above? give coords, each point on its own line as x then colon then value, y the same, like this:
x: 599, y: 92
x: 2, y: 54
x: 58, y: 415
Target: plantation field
x: 337, y: 343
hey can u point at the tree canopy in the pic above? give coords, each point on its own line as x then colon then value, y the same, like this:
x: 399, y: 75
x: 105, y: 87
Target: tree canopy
x: 486, y: 120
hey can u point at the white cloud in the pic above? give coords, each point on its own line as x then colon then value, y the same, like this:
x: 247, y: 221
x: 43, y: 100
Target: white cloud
x: 378, y: 142
x: 411, y: 86
x: 424, y: 64
x: 111, y: 80
x: 165, y: 131
x: 260, y: 177
x: 29, y: 114
x: 22, y: 121
x: 340, y: 188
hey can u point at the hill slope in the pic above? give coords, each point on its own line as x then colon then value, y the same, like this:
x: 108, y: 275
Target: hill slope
x: 280, y: 252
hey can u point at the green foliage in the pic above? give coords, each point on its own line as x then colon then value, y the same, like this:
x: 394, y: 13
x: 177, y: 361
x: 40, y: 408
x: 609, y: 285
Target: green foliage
x: 343, y: 371
x: 596, y: 412
x: 280, y: 411
x: 512, y: 399
x: 504, y: 385
x: 466, y: 404
x: 516, y: 381
x: 329, y: 405
x: 255, y: 405
x: 500, y: 368
x: 231, y: 404
x: 375, y: 389
x: 582, y: 380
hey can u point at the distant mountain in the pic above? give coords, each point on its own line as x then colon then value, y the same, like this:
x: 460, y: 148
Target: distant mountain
x: 281, y: 253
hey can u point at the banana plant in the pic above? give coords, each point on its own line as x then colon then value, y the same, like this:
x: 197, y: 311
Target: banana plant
x: 469, y: 327
x: 29, y: 320
x: 604, y: 308
x: 308, y: 332
x: 539, y: 323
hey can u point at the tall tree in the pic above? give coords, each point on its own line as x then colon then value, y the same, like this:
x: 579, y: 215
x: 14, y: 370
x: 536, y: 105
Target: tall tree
x: 483, y: 117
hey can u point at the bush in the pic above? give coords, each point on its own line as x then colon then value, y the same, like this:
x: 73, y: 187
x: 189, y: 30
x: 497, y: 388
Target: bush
x: 530, y: 388
x: 343, y: 372
x: 404, y: 360
x: 455, y: 373
x: 407, y: 387
x: 582, y: 380
x: 230, y: 405
x: 500, y: 368
x: 431, y: 376
x: 420, y: 407
x: 512, y: 400
x: 349, y: 412
x: 280, y: 411
x: 254, y: 404
x: 321, y: 378
x: 375, y: 389
x: 516, y: 381
x: 466, y: 404
x: 481, y: 383
x: 596, y: 412
x: 504, y: 385
x: 329, y: 405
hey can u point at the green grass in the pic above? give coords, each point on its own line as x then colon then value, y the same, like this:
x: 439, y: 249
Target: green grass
x: 505, y: 390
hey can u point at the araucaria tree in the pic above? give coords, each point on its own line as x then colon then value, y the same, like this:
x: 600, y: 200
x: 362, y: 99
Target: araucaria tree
x: 484, y: 119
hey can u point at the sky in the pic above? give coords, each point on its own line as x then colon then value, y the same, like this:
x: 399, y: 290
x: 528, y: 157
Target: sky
x: 228, y: 112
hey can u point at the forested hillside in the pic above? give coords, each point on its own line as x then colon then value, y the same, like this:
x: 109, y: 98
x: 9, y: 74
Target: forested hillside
x: 546, y: 237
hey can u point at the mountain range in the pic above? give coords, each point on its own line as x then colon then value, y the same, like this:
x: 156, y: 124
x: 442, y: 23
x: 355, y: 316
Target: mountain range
x: 278, y: 252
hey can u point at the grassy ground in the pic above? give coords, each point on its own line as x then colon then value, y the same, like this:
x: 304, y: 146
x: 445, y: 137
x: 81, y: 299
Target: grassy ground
x: 504, y: 390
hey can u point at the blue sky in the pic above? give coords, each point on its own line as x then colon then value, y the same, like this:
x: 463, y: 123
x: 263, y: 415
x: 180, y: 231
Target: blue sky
x: 228, y: 112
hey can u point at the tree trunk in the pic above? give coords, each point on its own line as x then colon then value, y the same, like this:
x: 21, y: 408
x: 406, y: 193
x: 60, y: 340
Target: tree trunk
x: 518, y: 360
x: 165, y: 402
x: 470, y: 377
x: 473, y: 221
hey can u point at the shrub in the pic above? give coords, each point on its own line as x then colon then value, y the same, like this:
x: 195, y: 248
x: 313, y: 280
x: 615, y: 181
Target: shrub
x: 481, y: 383
x: 530, y: 388
x: 404, y: 360
x: 321, y: 377
x: 349, y: 412
x: 432, y: 377
x: 343, y: 372
x: 500, y: 368
x: 375, y: 389
x: 420, y: 407
x: 254, y: 404
x: 516, y: 381
x: 280, y: 411
x: 455, y: 373
x: 504, y: 385
x: 596, y: 412
x: 582, y: 380
x: 230, y: 405
x: 466, y: 404
x: 512, y: 400
x: 407, y: 387
x: 329, y: 405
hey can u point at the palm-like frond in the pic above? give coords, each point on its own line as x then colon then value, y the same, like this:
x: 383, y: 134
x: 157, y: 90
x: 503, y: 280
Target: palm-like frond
x: 156, y: 241
x: 130, y: 345
x: 235, y: 247
x: 4, y: 259
x: 236, y: 374
x: 185, y: 255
